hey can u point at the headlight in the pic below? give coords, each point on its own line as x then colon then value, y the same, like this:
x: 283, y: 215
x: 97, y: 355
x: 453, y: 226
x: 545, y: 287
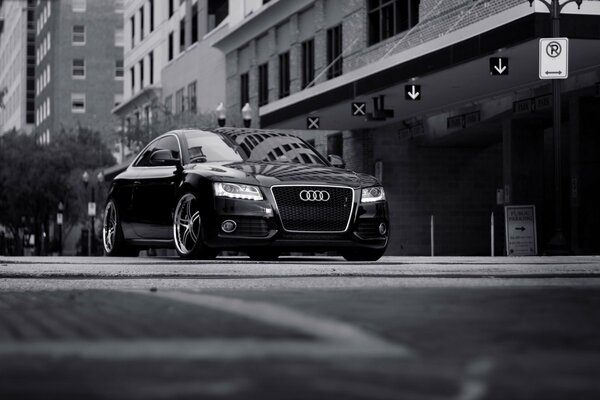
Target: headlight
x: 237, y: 191
x: 372, y: 194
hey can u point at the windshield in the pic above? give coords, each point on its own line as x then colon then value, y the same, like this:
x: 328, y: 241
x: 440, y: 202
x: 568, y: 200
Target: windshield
x: 277, y: 147
x: 210, y: 147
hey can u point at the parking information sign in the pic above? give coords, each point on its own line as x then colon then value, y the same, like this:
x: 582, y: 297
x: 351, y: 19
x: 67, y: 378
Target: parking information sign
x: 554, y: 58
x: 521, y: 234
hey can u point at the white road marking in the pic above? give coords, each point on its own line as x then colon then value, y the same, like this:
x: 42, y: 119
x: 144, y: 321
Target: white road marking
x: 328, y: 338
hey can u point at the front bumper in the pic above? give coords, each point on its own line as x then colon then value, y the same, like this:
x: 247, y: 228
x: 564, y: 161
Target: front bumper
x: 259, y: 225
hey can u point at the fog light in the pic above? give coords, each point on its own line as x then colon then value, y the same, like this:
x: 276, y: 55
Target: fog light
x: 382, y: 229
x: 228, y: 226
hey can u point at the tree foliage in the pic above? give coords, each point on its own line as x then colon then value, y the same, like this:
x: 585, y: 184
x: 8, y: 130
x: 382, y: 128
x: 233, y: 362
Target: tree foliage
x: 34, y: 178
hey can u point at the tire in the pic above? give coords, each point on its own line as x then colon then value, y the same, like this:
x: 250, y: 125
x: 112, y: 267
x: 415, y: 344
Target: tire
x: 263, y: 255
x: 187, y: 230
x: 363, y: 254
x: 112, y: 233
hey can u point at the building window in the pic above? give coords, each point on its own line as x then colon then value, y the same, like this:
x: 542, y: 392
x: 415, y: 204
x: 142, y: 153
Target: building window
x: 78, y: 5
x: 334, y: 51
x: 195, y: 23
x: 335, y: 144
x: 390, y: 17
x: 263, y: 84
x: 119, y: 70
x: 151, y: 65
x: 169, y: 104
x: 119, y: 37
x: 171, y: 44
x: 192, y: 96
x: 182, y: 35
x: 284, y: 74
x: 151, y: 14
x: 171, y: 8
x: 179, y: 102
x: 78, y: 37
x: 244, y: 89
x: 141, y: 23
x: 217, y: 12
x: 308, y: 62
x: 141, y: 73
x: 132, y: 76
x: 119, y: 6
x: 78, y: 103
x: 132, y: 23
x: 78, y: 70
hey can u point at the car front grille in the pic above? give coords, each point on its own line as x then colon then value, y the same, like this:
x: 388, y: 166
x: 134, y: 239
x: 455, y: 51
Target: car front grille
x: 297, y: 215
x: 251, y: 226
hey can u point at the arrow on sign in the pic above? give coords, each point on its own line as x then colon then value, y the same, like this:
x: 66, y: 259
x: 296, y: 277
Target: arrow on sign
x: 522, y: 229
x: 413, y: 92
x: 499, y: 67
x: 553, y: 72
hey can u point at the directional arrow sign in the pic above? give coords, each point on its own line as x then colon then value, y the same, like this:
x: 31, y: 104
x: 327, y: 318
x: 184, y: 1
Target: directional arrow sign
x: 359, y: 109
x: 521, y: 228
x: 412, y: 92
x: 554, y: 58
x: 313, y: 122
x: 498, y: 66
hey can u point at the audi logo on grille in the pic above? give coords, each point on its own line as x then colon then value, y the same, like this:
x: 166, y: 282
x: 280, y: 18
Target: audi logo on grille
x: 314, y: 195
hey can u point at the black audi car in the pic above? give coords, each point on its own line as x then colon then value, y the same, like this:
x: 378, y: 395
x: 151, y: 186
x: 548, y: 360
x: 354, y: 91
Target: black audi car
x: 261, y: 192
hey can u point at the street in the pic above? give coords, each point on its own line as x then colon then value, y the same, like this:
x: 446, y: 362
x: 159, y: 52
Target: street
x: 301, y: 328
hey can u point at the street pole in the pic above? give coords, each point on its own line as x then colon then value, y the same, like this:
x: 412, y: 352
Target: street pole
x: 91, y: 235
x: 557, y: 244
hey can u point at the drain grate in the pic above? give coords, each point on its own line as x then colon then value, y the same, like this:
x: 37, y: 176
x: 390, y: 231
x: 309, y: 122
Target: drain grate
x: 104, y: 314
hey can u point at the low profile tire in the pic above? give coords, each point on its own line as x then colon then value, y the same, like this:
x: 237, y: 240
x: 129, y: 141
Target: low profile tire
x: 112, y: 233
x: 187, y: 230
x: 263, y: 255
x: 363, y: 254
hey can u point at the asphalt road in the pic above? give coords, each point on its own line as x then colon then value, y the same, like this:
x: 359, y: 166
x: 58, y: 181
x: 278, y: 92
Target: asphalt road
x: 301, y: 328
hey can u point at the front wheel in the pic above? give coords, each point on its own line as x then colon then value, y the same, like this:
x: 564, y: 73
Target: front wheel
x: 363, y: 254
x: 187, y: 230
x: 112, y: 233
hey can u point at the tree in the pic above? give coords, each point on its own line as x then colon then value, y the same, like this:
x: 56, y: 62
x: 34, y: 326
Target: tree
x: 34, y: 178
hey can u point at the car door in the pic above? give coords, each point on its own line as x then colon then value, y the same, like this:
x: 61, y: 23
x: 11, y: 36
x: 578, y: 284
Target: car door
x: 154, y: 191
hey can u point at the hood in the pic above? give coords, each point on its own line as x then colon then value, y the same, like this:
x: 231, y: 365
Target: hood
x: 274, y: 173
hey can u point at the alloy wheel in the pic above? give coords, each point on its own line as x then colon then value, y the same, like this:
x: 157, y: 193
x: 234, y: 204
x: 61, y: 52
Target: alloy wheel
x: 186, y: 224
x: 109, y: 227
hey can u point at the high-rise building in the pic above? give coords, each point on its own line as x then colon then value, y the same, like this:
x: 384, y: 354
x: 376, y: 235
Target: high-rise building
x: 78, y: 65
x: 17, y: 65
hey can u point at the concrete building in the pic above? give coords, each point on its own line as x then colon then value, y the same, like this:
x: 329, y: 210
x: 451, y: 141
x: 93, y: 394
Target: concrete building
x: 79, y: 65
x: 173, y: 75
x: 468, y: 143
x: 17, y: 65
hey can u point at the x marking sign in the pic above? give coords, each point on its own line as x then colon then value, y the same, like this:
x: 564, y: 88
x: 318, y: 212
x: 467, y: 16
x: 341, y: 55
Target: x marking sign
x: 359, y: 109
x: 313, y: 122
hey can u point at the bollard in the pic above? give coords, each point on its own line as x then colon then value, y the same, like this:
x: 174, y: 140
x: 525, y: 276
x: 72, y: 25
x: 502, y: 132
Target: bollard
x: 432, y: 237
x: 492, y: 233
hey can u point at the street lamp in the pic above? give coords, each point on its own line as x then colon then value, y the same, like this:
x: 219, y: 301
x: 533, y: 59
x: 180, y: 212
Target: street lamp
x: 221, y: 115
x: 558, y: 244
x: 91, y: 208
x: 247, y: 115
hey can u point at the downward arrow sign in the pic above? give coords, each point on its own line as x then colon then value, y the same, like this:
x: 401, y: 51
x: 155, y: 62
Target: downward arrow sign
x: 499, y: 67
x: 413, y: 93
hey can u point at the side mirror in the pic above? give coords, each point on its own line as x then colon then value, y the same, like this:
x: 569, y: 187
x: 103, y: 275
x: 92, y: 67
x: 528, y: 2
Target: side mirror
x: 336, y: 161
x: 163, y: 158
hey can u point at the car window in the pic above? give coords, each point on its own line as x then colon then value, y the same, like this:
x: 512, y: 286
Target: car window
x: 210, y: 147
x: 167, y: 143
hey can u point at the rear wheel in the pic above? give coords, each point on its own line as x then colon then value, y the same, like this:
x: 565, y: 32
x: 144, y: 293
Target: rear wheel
x: 187, y: 229
x: 112, y: 233
x: 363, y: 254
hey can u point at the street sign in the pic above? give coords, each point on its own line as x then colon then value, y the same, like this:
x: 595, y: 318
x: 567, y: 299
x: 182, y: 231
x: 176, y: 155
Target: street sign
x: 359, y: 109
x: 412, y: 92
x: 498, y: 66
x: 59, y: 219
x: 554, y: 58
x: 313, y: 122
x: 521, y: 233
x: 91, y: 209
